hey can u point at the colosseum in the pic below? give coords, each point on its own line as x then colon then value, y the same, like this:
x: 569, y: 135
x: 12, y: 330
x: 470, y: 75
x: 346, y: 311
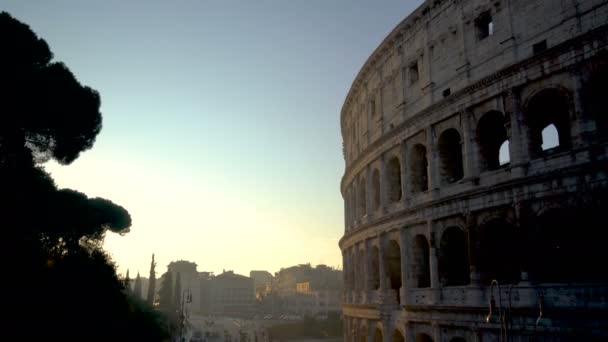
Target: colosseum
x: 476, y: 146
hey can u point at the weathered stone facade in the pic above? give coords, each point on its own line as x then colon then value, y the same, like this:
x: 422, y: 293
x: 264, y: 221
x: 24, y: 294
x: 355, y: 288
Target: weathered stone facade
x: 456, y: 198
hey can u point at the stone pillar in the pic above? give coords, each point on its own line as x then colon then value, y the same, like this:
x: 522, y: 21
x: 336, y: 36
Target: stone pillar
x: 357, y: 274
x: 435, y: 331
x: 356, y: 212
x: 469, y: 231
x: 519, y: 138
x: 402, y: 151
x: 403, y: 250
x: 370, y: 331
x: 433, y: 257
x: 407, y: 192
x: 368, y: 192
x: 344, y: 277
x: 382, y: 266
x: 433, y: 160
x: 471, y: 149
x: 583, y: 127
x: 346, y: 213
x: 383, y: 185
x: 367, y: 270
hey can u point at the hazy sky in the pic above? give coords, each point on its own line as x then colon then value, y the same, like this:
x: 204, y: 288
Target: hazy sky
x: 220, y: 121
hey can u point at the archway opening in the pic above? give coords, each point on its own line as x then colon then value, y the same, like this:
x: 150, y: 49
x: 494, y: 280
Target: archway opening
x: 497, y: 252
x: 453, y: 260
x: 450, y: 155
x: 393, y: 259
x: 420, y: 262
x: 550, y: 137
x: 419, y: 180
x: 548, y: 107
x: 394, y: 179
x: 491, y: 136
x: 375, y: 189
x: 362, y: 198
x: 504, y: 153
x: 375, y: 268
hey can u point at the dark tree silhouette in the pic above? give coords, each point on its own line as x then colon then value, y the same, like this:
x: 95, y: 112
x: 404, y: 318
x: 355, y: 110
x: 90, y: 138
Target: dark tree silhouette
x: 137, y: 287
x: 165, y: 294
x: 152, y: 283
x: 68, y: 286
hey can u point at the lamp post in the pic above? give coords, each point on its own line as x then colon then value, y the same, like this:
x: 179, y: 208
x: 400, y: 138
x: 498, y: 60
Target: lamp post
x: 504, y: 318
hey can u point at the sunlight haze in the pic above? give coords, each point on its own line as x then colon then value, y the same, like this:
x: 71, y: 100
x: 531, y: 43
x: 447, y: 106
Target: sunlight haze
x: 221, y: 131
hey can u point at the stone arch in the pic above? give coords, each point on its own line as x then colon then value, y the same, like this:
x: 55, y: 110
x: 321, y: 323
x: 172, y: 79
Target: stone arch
x: 453, y: 259
x: 545, y: 108
x: 375, y: 268
x: 362, y: 200
x: 422, y: 337
x: 398, y: 336
x: 393, y: 263
x: 419, y: 180
x: 450, y: 156
x: 491, y: 136
x: 420, y: 266
x: 496, y: 249
x: 375, y: 189
x: 393, y: 171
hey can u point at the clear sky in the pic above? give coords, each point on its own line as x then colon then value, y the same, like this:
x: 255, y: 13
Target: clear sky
x: 220, y: 121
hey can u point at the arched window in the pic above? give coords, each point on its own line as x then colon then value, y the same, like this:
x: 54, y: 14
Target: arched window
x: 398, y: 336
x: 550, y: 137
x: 393, y: 261
x: 491, y: 137
x: 548, y: 107
x: 450, y: 155
x: 420, y: 262
x: 394, y: 179
x: 423, y: 338
x: 453, y: 261
x: 362, y: 198
x: 376, y: 189
x: 504, y: 154
x: 497, y: 252
x: 353, y: 205
x: 419, y: 180
x: 375, y: 268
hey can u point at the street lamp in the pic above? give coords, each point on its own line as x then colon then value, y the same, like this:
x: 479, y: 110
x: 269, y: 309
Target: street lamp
x: 503, y: 318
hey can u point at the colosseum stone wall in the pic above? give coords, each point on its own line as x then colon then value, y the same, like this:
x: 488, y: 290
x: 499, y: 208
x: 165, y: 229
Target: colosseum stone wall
x: 476, y: 146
